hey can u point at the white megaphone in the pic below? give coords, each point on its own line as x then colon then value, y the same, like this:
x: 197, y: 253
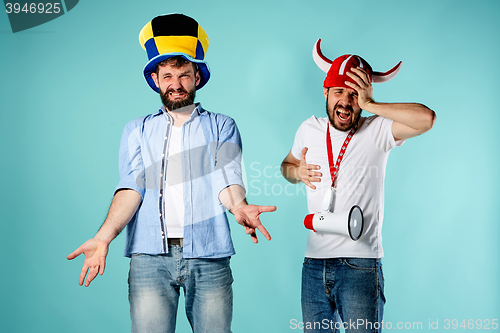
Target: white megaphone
x: 349, y: 223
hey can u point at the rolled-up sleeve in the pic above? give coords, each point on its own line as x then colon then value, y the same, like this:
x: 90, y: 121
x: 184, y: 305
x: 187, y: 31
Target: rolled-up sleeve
x: 228, y: 157
x: 131, y: 165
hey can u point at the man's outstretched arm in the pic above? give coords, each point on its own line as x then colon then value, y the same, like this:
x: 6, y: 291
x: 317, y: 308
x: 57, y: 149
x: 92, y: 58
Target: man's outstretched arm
x: 233, y: 198
x: 123, y: 208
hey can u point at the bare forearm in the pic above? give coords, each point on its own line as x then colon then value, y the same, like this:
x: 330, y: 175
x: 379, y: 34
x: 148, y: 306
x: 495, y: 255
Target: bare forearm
x: 233, y: 197
x: 123, y: 208
x: 414, y: 115
x: 291, y: 172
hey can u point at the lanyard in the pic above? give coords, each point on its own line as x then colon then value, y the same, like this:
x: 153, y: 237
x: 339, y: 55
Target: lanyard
x: 334, y: 168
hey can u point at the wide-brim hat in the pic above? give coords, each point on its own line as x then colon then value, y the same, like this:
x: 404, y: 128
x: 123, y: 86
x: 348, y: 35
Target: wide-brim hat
x: 173, y: 35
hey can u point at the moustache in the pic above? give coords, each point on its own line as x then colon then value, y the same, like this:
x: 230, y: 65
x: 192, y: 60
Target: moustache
x: 347, y: 107
x: 181, y: 90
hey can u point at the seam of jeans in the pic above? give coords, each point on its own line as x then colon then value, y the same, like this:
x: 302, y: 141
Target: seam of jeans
x: 178, y: 271
x: 377, y: 300
x: 324, y: 274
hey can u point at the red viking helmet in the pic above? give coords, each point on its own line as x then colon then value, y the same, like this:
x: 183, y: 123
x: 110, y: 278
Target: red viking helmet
x: 336, y: 70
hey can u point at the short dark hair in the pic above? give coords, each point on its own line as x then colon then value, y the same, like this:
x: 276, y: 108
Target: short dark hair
x: 176, y: 61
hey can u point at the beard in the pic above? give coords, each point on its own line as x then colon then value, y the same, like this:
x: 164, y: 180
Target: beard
x: 342, y: 127
x: 173, y: 105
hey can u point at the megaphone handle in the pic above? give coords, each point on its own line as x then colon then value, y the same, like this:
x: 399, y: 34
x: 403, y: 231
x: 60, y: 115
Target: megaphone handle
x: 333, y: 195
x: 329, y: 200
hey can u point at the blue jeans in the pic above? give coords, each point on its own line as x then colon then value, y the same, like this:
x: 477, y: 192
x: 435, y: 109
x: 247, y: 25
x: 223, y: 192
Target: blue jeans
x: 342, y: 292
x: 154, y: 285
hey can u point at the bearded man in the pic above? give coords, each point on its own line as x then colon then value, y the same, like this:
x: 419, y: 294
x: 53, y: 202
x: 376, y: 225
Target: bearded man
x: 342, y: 159
x: 180, y: 169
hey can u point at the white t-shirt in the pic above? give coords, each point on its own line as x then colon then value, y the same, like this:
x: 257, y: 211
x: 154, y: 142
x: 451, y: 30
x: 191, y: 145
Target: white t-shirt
x: 360, y: 182
x: 173, y: 193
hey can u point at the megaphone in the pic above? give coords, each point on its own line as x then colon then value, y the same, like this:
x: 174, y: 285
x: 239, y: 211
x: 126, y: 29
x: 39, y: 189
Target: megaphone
x: 349, y: 223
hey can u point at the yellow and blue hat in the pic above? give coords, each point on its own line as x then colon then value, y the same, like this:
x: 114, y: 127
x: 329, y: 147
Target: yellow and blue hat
x: 174, y: 35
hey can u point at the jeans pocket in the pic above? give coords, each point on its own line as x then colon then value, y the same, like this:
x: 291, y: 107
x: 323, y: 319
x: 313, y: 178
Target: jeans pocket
x: 211, y: 272
x: 362, y: 264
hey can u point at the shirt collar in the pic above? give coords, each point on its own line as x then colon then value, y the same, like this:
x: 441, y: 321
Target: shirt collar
x: 198, y: 111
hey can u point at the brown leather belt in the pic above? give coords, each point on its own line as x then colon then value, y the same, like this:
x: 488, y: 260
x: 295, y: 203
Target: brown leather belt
x: 175, y: 241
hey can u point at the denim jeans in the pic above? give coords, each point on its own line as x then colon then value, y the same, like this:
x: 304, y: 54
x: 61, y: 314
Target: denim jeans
x: 342, y: 292
x: 154, y: 287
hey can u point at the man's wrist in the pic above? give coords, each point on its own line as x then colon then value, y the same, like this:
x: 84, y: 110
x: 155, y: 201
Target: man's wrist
x: 370, y: 106
x: 106, y: 235
x: 238, y: 206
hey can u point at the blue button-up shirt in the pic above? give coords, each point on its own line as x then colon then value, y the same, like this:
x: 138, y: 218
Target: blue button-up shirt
x: 211, y: 161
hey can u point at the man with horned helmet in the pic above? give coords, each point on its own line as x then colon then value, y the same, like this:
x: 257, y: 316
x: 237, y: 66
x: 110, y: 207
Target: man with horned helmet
x: 341, y: 158
x: 180, y: 169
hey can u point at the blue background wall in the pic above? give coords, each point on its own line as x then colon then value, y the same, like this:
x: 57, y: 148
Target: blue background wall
x: 69, y: 86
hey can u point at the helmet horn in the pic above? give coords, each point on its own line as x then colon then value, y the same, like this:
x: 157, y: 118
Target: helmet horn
x: 323, y: 62
x: 378, y: 77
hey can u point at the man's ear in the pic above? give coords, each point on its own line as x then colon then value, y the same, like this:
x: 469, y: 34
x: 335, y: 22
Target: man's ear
x: 198, y: 79
x: 325, y: 92
x: 155, y: 78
